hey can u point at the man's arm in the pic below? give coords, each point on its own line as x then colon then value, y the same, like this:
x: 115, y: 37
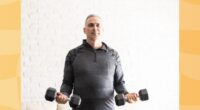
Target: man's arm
x: 68, y: 80
x: 119, y: 83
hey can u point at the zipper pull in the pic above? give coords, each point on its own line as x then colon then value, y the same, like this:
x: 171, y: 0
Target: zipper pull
x: 95, y: 56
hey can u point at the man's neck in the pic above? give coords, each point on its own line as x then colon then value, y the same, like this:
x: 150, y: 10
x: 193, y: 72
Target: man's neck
x: 94, y: 43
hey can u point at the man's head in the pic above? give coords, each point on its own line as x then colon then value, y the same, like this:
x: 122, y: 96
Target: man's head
x: 93, y: 27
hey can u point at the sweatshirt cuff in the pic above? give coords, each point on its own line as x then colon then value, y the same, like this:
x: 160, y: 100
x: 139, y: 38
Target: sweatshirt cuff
x: 65, y: 93
x: 126, y: 92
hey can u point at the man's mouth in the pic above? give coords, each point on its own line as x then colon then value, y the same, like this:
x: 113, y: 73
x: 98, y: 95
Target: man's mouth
x: 95, y: 33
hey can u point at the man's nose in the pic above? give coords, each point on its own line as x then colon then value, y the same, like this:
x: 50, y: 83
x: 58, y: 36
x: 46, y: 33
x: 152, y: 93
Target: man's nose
x: 95, y: 27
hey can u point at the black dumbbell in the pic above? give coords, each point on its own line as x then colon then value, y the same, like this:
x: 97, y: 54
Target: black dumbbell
x: 74, y: 101
x: 120, y: 99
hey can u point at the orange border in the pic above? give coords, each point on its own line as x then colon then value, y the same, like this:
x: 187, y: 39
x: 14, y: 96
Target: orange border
x: 189, y: 55
x: 10, y: 55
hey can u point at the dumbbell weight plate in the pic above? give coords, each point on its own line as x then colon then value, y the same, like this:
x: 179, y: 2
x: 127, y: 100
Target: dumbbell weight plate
x: 75, y: 101
x: 50, y: 94
x: 119, y: 99
x: 143, y: 94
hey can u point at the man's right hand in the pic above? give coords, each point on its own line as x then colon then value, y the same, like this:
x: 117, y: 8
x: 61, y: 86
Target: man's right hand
x: 61, y: 98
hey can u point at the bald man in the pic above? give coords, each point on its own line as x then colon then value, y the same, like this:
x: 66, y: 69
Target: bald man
x: 93, y: 71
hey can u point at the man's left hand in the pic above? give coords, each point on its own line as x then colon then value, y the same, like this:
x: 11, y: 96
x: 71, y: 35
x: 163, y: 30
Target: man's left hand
x: 131, y: 97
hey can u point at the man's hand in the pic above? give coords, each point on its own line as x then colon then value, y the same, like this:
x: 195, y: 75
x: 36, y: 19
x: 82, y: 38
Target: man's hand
x: 61, y: 98
x: 131, y: 97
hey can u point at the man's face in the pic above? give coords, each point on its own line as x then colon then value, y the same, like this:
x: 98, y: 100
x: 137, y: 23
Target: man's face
x: 93, y: 27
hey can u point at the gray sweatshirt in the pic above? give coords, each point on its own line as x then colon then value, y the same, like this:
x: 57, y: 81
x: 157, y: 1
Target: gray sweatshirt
x: 93, y: 74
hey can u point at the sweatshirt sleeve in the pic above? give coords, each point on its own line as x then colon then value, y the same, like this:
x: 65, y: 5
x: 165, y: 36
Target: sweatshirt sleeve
x: 119, y: 83
x: 68, y: 78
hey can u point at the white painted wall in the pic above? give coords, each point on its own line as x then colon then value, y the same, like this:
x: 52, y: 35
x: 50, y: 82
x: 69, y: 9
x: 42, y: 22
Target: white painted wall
x: 144, y: 32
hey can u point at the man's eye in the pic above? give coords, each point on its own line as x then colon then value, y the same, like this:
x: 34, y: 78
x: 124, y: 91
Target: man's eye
x: 90, y: 25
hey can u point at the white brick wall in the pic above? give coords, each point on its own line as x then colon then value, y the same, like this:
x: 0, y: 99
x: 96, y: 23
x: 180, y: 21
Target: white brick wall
x: 144, y: 32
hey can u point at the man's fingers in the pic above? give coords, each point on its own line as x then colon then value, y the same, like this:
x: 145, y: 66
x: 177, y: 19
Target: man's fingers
x: 135, y: 97
x: 58, y: 93
x: 61, y: 98
x: 132, y: 97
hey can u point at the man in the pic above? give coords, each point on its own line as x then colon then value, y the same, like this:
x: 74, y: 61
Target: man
x: 93, y: 71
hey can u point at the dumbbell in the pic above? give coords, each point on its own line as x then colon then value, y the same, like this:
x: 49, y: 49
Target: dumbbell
x: 120, y: 99
x: 74, y: 101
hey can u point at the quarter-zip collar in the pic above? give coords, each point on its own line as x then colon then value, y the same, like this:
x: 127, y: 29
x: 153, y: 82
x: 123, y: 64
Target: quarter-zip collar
x: 103, y: 47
